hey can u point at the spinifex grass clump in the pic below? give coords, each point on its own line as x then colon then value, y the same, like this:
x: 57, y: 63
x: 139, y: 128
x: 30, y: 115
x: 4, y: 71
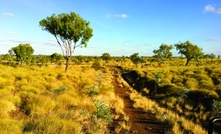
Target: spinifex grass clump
x: 47, y: 100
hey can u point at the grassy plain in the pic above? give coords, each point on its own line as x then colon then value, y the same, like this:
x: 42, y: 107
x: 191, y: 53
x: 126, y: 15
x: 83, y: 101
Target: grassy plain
x: 47, y: 100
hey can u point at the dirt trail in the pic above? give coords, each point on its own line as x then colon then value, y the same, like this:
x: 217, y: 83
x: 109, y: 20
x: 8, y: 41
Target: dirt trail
x: 140, y: 121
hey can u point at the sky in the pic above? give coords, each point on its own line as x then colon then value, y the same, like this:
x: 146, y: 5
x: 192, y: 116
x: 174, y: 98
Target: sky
x: 120, y: 27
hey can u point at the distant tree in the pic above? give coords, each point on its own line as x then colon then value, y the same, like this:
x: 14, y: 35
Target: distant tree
x: 78, y: 59
x: 42, y: 60
x: 23, y: 52
x: 189, y: 50
x: 210, y: 56
x: 142, y: 60
x: 135, y: 58
x: 88, y: 59
x: 56, y: 58
x: 163, y: 53
x: 9, y: 58
x: 106, y: 57
x: 68, y: 28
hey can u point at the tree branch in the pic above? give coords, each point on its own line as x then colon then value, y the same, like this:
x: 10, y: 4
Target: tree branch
x: 59, y: 45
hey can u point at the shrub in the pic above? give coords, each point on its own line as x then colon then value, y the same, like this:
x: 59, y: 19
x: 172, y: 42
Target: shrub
x: 96, y: 65
x: 102, y: 111
x: 60, y: 90
x: 93, y: 91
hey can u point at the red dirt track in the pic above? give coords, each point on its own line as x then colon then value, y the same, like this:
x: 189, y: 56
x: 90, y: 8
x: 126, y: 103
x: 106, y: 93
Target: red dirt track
x: 141, y: 122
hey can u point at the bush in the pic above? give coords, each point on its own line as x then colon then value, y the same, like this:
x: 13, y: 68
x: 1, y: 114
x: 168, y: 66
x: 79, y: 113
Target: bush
x: 102, y: 111
x: 96, y: 65
x: 60, y: 90
x: 93, y: 91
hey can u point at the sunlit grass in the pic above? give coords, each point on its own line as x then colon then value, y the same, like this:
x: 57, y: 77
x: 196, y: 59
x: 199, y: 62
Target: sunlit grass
x: 47, y: 100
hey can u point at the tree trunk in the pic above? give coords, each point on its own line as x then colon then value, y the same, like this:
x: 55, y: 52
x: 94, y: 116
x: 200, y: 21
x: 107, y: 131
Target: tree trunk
x: 187, y: 61
x: 67, y: 63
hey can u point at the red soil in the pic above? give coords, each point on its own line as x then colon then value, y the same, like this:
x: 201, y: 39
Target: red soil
x: 141, y: 122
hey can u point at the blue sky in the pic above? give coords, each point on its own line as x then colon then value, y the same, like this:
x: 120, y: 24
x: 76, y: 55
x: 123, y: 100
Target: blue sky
x: 120, y: 27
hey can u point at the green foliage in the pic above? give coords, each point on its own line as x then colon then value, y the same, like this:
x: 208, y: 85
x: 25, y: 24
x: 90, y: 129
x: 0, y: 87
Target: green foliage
x: 78, y: 59
x: 92, y: 91
x: 157, y: 77
x: 23, y: 52
x: 216, y: 108
x: 96, y: 65
x: 106, y: 57
x: 163, y: 53
x: 42, y: 60
x: 56, y: 58
x: 182, y: 93
x: 99, y: 79
x: 60, y: 90
x: 68, y: 28
x: 102, y: 111
x: 9, y: 58
x: 135, y: 58
x: 190, y: 51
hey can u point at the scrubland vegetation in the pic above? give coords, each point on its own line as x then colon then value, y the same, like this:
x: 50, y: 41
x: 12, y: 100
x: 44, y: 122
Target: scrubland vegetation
x: 47, y: 100
x: 42, y: 98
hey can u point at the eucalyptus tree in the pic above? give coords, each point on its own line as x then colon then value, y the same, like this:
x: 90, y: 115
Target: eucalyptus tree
x: 163, y: 53
x: 189, y: 50
x: 106, y: 57
x: 135, y: 58
x: 70, y: 30
x: 23, y: 52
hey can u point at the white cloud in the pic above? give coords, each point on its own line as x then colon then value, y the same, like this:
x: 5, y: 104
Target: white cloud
x: 214, y: 39
x: 210, y: 8
x: 11, y: 32
x: 117, y: 15
x: 8, y: 14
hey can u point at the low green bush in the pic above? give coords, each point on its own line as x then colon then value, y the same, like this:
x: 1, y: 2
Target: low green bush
x: 93, y: 90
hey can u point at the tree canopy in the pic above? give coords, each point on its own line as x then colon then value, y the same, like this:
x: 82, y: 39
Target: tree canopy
x: 189, y: 50
x: 68, y: 29
x: 164, y: 52
x: 135, y: 58
x: 106, y: 57
x: 23, y: 52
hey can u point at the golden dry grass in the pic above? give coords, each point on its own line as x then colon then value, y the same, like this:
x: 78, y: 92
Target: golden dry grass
x: 52, y: 101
